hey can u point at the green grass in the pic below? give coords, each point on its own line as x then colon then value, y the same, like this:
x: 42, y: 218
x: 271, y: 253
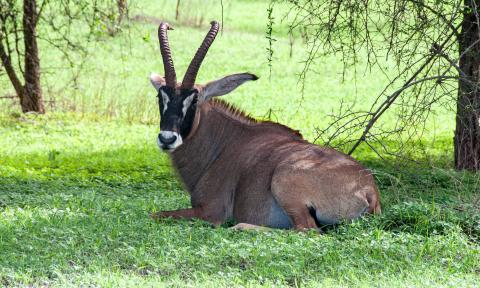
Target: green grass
x: 114, y: 83
x: 75, y: 198
x: 77, y: 185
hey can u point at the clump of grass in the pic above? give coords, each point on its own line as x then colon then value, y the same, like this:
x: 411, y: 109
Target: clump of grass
x: 74, y: 203
x: 431, y: 219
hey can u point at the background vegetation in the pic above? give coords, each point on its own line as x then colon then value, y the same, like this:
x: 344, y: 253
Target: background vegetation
x: 77, y: 184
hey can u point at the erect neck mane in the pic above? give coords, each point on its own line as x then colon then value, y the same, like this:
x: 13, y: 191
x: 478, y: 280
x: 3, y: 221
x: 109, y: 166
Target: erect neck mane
x: 232, y: 111
x: 238, y: 115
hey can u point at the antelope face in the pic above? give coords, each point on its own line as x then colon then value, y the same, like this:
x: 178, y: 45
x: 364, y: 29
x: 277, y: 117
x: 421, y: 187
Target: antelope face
x: 178, y: 101
x: 176, y: 117
x: 178, y: 106
x: 177, y: 112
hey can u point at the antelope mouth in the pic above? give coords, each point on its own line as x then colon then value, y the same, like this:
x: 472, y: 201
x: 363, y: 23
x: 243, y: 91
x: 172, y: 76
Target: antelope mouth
x: 168, y: 141
x: 166, y: 148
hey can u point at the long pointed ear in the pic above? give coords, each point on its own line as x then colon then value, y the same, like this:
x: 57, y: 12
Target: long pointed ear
x: 225, y: 85
x: 157, y: 81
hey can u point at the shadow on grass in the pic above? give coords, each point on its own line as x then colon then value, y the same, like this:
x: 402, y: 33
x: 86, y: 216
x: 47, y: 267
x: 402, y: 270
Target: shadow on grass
x: 77, y: 212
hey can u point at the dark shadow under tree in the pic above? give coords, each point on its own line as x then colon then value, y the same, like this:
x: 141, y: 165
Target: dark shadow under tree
x: 435, y: 46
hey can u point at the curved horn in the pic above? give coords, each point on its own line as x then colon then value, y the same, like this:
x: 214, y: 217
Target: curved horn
x: 191, y: 74
x: 170, y: 77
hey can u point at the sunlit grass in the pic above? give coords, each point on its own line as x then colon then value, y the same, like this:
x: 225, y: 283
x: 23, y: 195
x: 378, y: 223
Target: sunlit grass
x: 77, y: 185
x: 114, y: 85
x: 79, y: 216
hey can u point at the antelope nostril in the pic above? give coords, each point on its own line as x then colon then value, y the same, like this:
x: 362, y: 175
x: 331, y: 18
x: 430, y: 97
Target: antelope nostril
x: 167, y: 140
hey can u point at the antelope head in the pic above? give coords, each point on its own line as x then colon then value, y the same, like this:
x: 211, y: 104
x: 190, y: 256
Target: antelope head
x: 178, y: 101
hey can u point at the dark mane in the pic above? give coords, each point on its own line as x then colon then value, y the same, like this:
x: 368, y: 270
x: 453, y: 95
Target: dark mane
x: 233, y: 111
x: 239, y: 115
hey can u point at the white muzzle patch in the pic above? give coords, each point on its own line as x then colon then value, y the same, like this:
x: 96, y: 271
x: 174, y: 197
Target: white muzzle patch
x: 169, y: 135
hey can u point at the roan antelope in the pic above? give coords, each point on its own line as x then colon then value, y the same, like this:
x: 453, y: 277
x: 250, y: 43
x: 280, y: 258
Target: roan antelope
x: 253, y: 172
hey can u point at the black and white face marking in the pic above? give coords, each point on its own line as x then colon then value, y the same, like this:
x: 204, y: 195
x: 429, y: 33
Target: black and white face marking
x: 177, y: 107
x: 177, y: 113
x: 165, y: 101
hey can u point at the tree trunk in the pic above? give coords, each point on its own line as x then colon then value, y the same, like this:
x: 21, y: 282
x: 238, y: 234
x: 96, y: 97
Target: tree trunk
x: 12, y: 75
x: 32, y: 100
x: 177, y: 10
x: 122, y: 10
x: 467, y: 132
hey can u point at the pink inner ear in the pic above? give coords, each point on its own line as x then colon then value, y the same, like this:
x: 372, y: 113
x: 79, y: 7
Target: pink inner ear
x: 157, y: 80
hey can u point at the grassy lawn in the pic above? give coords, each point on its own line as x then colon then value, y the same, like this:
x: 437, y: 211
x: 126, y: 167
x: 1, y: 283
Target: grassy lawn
x: 75, y: 197
x: 77, y: 185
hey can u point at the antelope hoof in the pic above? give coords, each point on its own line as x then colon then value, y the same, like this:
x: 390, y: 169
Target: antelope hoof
x: 246, y: 226
x: 157, y: 215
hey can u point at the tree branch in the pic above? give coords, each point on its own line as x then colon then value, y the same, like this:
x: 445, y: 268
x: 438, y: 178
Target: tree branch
x: 390, y: 99
x: 17, y: 85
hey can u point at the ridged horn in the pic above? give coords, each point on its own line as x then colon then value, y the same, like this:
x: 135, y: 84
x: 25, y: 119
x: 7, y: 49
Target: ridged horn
x: 191, y: 74
x: 170, y: 76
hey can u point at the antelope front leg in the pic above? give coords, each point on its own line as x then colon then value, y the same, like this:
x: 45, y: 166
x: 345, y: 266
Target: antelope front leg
x: 188, y: 213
